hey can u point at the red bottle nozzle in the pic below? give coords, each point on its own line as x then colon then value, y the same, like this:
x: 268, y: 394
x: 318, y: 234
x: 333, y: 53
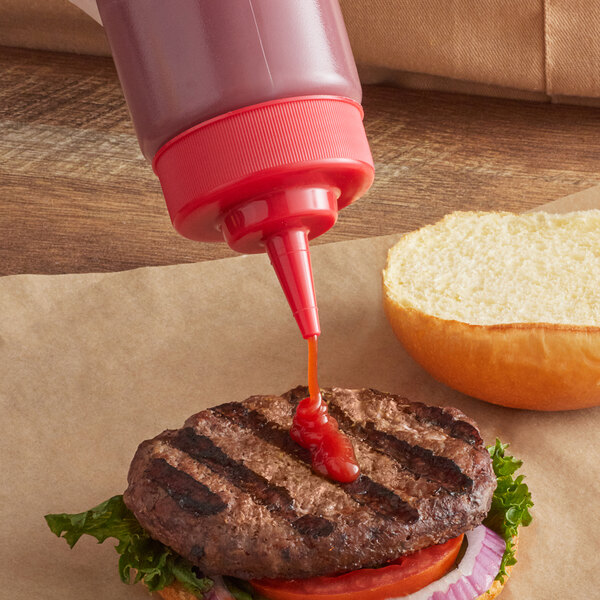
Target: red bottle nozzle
x: 281, y: 223
x: 290, y: 257
x: 270, y: 176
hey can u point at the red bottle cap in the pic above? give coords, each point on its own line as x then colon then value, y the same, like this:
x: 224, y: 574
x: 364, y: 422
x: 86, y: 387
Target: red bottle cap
x: 269, y: 177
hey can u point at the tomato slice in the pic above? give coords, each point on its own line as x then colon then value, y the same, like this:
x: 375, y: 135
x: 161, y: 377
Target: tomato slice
x: 403, y: 576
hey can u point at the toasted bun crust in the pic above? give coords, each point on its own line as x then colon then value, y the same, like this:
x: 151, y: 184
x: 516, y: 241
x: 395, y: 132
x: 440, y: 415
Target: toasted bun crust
x: 445, y: 296
x: 177, y: 592
x: 532, y: 366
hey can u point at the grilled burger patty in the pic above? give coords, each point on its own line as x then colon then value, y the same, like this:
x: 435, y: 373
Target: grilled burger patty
x: 233, y: 493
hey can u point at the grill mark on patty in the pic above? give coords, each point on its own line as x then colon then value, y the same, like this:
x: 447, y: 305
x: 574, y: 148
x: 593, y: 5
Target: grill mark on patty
x: 434, y: 415
x: 428, y: 415
x: 420, y: 461
x: 380, y: 499
x: 191, y: 496
x: 262, y: 428
x: 276, y: 499
x: 364, y: 491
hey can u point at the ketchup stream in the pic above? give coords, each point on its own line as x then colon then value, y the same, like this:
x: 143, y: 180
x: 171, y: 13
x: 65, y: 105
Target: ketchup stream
x: 316, y: 430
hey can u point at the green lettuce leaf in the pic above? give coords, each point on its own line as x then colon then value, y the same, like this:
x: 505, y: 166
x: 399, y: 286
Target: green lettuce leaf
x: 510, y: 504
x: 154, y: 564
x: 242, y: 590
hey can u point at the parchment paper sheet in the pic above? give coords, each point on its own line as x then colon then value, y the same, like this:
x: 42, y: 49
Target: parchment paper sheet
x: 91, y: 365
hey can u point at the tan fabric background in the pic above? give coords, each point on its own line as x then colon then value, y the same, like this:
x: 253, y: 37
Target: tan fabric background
x: 533, y: 49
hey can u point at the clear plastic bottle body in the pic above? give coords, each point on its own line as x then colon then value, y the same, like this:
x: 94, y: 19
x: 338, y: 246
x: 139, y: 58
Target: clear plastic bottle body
x: 182, y: 62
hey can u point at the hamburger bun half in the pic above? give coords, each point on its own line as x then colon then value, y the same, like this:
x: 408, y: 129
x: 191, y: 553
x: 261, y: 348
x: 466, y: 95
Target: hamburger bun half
x: 503, y: 307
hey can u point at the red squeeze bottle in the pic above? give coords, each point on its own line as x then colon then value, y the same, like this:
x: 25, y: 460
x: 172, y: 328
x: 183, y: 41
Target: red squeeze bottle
x: 250, y: 113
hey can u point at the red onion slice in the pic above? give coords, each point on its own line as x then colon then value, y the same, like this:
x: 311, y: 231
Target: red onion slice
x: 474, y: 574
x: 218, y: 591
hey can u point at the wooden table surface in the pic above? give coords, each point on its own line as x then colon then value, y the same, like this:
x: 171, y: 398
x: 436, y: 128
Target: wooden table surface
x: 77, y: 196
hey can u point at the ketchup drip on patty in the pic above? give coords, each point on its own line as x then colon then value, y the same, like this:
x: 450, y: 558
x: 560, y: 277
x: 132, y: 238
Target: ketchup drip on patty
x: 316, y: 430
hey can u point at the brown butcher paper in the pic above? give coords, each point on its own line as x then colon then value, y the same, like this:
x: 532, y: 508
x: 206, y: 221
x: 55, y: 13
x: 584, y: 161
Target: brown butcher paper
x: 91, y: 365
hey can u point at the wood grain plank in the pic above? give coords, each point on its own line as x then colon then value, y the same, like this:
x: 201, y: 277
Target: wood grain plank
x: 77, y: 195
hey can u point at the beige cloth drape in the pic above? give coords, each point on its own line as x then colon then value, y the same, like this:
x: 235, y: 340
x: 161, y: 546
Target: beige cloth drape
x: 536, y: 49
x: 544, y: 47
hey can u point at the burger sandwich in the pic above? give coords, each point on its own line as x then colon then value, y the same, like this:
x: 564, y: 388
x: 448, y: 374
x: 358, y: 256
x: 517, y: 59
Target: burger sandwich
x: 228, y: 506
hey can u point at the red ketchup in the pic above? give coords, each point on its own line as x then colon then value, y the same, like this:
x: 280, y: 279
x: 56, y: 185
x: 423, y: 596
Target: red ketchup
x: 250, y: 113
x: 316, y: 430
